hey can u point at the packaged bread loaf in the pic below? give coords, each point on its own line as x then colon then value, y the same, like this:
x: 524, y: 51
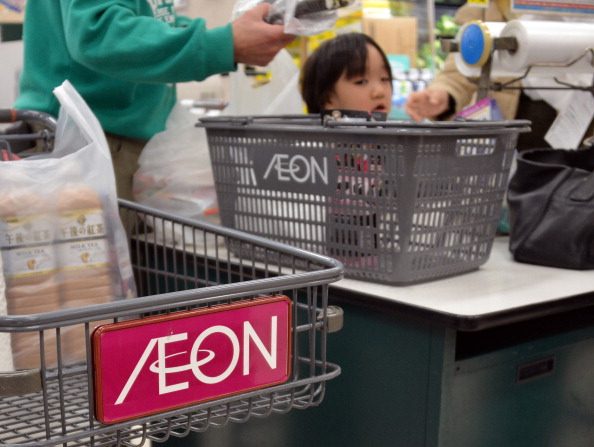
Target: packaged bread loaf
x: 84, y: 254
x: 30, y: 270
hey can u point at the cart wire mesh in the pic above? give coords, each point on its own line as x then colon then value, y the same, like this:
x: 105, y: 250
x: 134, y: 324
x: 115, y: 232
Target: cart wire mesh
x: 395, y: 202
x: 54, y: 405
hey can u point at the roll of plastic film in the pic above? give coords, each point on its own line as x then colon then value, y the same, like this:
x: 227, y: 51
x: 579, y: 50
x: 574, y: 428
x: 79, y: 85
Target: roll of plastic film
x: 476, y: 43
x: 548, y: 42
x: 471, y: 71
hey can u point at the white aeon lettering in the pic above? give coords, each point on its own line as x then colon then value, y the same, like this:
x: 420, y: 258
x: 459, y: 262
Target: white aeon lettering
x: 269, y: 356
x: 159, y: 366
x: 195, y: 365
x: 298, y: 168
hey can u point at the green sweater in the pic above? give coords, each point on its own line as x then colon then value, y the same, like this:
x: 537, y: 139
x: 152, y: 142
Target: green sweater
x: 122, y: 56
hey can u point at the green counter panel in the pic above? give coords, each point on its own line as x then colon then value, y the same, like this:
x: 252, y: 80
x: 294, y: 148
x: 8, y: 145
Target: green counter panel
x: 409, y: 383
x: 539, y: 393
x: 380, y: 397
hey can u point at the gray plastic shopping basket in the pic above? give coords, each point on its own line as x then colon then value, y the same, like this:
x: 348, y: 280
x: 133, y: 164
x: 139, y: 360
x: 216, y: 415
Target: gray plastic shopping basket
x: 395, y: 202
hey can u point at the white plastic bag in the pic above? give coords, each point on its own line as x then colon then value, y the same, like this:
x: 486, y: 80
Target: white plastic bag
x: 81, y: 148
x: 278, y: 97
x: 62, y: 241
x: 175, y: 174
x: 80, y: 162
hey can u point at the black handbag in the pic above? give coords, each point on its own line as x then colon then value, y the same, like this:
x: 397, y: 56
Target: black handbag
x: 551, y: 208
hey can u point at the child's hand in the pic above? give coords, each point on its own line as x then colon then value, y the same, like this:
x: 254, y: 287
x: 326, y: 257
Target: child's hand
x: 255, y: 41
x: 428, y: 103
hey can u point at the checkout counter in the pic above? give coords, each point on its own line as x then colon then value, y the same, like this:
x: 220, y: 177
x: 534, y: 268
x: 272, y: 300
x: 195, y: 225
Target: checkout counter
x: 499, y: 357
x: 502, y: 356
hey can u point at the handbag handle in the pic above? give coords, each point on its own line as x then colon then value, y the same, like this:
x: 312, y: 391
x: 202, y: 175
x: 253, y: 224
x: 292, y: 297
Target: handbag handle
x: 585, y: 192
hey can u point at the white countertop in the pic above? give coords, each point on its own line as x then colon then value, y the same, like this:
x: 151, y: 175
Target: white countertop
x: 499, y: 285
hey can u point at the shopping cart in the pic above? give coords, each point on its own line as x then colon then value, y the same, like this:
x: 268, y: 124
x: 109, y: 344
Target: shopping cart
x: 60, y: 403
x: 28, y: 129
x: 396, y: 202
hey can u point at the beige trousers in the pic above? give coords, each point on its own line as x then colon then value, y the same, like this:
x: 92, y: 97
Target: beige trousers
x: 124, y: 153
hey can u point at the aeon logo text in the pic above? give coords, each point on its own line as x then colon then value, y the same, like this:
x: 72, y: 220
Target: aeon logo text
x: 297, y: 168
x: 146, y: 366
x: 195, y: 363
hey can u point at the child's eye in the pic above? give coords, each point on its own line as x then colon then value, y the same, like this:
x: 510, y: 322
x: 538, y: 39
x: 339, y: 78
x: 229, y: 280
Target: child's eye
x: 387, y: 79
x: 360, y: 81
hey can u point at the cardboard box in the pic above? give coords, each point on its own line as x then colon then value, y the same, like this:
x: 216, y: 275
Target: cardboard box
x: 12, y: 12
x: 396, y: 35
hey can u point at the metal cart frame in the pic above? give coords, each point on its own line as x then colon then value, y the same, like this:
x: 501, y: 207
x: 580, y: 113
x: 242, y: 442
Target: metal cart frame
x: 55, y: 405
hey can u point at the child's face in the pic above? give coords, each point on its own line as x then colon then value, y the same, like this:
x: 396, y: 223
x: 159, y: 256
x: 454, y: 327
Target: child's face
x: 371, y: 92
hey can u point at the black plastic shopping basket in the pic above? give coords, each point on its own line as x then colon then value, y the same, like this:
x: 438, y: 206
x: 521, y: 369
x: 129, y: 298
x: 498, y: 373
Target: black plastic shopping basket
x: 396, y: 202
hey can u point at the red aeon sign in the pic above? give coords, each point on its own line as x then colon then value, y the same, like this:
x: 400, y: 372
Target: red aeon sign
x: 161, y: 363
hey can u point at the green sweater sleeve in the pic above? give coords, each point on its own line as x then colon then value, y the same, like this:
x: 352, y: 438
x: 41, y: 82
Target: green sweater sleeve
x: 121, y: 39
x: 182, y: 21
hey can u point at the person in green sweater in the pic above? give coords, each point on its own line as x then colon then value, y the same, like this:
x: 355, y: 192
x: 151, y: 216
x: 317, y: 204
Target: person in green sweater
x: 125, y: 56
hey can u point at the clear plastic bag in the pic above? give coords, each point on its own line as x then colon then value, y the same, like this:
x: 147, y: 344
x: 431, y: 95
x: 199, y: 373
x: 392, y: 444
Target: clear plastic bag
x: 175, y: 174
x: 300, y: 17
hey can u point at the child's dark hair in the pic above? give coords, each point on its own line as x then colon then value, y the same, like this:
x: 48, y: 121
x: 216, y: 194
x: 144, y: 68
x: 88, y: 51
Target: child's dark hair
x: 345, y: 53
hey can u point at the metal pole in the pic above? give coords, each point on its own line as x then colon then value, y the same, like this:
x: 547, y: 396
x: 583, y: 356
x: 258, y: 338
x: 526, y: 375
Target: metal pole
x: 431, y: 33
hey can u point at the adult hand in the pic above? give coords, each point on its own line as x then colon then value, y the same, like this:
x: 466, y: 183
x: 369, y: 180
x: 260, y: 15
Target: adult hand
x: 255, y: 41
x: 427, y: 103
